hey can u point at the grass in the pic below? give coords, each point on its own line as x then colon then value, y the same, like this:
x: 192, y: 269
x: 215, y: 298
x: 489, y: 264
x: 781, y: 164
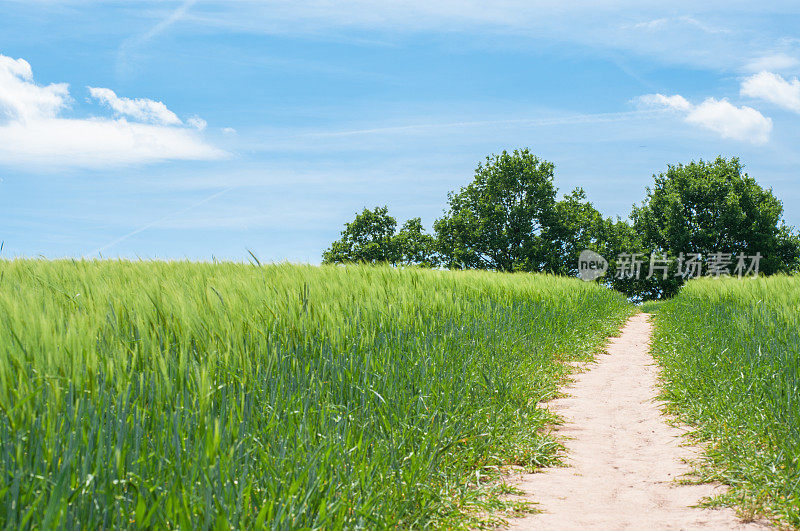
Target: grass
x: 651, y: 306
x: 731, y: 355
x: 200, y: 396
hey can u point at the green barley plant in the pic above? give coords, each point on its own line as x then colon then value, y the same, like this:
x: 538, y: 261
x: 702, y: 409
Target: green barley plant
x: 225, y: 395
x: 731, y: 355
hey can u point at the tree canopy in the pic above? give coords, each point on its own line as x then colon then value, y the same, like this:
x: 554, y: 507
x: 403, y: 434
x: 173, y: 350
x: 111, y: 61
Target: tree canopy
x: 714, y: 207
x: 368, y: 238
x: 497, y: 221
x: 371, y: 238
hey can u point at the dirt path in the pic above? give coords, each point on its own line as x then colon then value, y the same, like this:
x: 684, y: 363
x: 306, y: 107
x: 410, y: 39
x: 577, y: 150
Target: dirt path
x: 622, y: 456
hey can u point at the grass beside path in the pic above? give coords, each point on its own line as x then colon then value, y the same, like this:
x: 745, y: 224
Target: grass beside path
x: 731, y: 355
x: 196, y: 395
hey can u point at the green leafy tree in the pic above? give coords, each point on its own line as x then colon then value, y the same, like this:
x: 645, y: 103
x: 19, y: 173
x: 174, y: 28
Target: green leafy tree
x: 575, y: 225
x: 496, y: 222
x: 368, y: 238
x: 414, y: 246
x: 578, y: 225
x: 371, y: 238
x: 714, y: 207
x: 620, y: 237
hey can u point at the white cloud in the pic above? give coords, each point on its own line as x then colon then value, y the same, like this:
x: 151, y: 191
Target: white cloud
x: 778, y: 61
x: 721, y: 116
x: 676, y: 102
x: 99, y: 142
x: 740, y: 123
x: 650, y: 24
x: 774, y: 89
x: 228, y: 131
x: 197, y: 122
x: 32, y: 132
x: 138, y: 109
x: 21, y: 99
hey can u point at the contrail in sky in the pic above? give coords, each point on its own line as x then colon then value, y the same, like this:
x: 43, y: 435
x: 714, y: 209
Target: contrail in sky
x: 137, y: 40
x: 156, y: 222
x: 532, y: 122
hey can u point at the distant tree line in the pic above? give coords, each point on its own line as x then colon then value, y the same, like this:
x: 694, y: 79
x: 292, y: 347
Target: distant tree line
x: 509, y: 218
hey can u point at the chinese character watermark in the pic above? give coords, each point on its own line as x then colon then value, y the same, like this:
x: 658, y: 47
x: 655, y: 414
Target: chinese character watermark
x: 629, y: 265
x: 659, y: 263
x: 690, y: 265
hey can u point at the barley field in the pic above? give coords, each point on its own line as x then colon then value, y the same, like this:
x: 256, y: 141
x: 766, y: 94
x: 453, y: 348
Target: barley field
x: 731, y: 356
x: 224, y: 395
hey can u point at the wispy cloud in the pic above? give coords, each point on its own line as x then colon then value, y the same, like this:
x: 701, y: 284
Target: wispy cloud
x: 197, y: 122
x: 721, y: 116
x: 677, y: 22
x: 33, y: 132
x: 649, y: 24
x: 774, y: 89
x: 717, y: 35
x: 772, y: 62
x: 702, y: 26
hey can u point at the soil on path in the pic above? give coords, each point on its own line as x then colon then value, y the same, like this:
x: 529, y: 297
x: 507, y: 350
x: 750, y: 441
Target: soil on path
x: 622, y: 456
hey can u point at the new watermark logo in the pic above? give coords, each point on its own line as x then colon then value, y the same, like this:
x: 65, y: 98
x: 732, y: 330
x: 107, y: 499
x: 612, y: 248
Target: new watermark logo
x: 591, y: 265
x: 690, y: 265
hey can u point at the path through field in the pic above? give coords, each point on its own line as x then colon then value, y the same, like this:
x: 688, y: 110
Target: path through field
x: 622, y: 456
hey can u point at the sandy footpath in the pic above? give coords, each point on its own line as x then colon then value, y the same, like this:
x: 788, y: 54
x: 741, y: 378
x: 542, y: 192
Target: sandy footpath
x: 622, y: 456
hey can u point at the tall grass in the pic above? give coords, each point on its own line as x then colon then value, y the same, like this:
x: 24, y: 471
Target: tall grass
x: 138, y: 394
x: 731, y: 352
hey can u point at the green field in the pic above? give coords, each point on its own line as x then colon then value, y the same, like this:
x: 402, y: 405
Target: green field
x: 731, y: 352
x: 193, y: 395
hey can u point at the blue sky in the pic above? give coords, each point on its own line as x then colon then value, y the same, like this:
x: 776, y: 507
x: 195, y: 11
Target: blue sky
x: 201, y: 129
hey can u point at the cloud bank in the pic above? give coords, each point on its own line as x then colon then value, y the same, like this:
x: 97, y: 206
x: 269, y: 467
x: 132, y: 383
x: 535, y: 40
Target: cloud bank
x: 34, y: 132
x: 729, y: 121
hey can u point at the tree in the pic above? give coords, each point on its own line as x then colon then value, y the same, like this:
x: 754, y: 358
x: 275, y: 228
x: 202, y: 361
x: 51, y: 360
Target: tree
x: 575, y: 225
x: 371, y: 238
x: 621, y: 238
x: 578, y: 225
x: 496, y: 222
x: 714, y: 207
x: 415, y: 246
x: 368, y: 238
